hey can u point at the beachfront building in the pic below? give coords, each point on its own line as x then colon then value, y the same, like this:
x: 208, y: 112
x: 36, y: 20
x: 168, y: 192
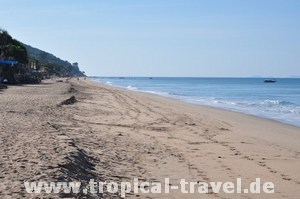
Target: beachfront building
x: 33, y: 65
x: 12, y: 72
x: 7, y: 70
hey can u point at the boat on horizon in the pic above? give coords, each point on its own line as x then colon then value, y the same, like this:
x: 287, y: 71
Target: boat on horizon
x: 269, y: 81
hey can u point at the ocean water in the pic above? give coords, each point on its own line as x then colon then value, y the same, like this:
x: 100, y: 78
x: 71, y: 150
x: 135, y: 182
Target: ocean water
x: 278, y: 101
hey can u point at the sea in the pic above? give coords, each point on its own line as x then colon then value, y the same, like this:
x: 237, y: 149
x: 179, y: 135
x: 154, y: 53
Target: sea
x: 279, y: 101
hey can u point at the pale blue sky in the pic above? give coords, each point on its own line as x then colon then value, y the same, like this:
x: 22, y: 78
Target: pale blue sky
x: 163, y: 37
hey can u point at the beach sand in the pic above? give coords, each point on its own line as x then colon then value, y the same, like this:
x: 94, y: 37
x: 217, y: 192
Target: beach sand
x: 112, y: 134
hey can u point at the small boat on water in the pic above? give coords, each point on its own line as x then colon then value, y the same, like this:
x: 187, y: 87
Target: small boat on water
x: 269, y: 81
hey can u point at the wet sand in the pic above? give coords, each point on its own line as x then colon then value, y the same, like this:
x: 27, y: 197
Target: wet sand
x: 112, y: 134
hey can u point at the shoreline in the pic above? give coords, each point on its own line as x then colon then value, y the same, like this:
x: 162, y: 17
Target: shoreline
x: 114, y: 134
x: 202, y: 105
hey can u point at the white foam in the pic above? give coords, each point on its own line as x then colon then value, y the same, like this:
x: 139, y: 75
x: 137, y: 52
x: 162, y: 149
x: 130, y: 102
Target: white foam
x: 131, y: 87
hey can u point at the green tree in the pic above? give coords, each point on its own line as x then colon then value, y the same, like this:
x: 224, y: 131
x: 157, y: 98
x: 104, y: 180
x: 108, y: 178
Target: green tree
x: 12, y: 49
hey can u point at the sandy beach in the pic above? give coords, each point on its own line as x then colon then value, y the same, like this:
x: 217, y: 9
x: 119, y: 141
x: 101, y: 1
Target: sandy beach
x: 112, y: 134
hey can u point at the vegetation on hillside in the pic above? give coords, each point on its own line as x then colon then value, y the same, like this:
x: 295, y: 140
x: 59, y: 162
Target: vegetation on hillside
x: 11, y: 49
x: 53, y: 64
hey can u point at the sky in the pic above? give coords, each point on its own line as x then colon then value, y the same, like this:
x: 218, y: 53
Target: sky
x: 211, y: 38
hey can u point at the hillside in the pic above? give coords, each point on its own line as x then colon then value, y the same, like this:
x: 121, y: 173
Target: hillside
x: 14, y: 50
x: 11, y: 49
x: 52, y: 63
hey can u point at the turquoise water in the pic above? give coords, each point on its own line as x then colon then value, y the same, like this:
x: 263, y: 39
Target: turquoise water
x: 279, y: 101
